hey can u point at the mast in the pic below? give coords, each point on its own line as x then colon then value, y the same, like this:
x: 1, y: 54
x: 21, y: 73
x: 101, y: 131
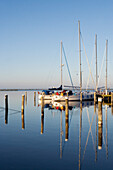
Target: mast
x: 80, y: 56
x: 106, y: 63
x: 61, y: 62
x: 96, y: 61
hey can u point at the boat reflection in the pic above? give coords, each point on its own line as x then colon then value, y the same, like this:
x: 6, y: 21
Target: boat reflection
x: 61, y: 105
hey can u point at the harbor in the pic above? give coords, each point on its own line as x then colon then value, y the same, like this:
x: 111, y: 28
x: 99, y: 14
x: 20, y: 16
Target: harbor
x: 56, y: 85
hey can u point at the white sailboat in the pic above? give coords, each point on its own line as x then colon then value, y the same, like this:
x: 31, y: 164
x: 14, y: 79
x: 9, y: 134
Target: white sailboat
x: 62, y: 95
x: 76, y: 96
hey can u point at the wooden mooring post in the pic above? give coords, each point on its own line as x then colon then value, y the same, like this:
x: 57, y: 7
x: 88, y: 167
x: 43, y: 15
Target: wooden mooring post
x: 100, y: 122
x: 66, y: 118
x: 6, y: 109
x: 34, y: 98
x: 22, y: 112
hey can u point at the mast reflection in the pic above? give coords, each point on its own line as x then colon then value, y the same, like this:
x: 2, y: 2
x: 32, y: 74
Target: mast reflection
x: 80, y: 135
x: 61, y: 133
x: 66, y: 121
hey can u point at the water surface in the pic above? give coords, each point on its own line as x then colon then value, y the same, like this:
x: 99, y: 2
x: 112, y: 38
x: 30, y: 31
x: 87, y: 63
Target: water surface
x: 45, y: 138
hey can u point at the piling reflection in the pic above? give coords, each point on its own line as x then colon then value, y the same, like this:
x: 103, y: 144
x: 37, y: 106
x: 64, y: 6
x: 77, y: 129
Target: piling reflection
x: 6, y: 116
x: 42, y: 115
x: 100, y: 122
x: 22, y: 112
x: 6, y: 109
x: 106, y: 135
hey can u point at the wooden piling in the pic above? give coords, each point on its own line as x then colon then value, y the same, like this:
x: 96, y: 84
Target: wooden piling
x: 23, y: 97
x: 100, y: 122
x: 66, y: 118
x: 22, y: 112
x: 34, y: 98
x: 6, y: 109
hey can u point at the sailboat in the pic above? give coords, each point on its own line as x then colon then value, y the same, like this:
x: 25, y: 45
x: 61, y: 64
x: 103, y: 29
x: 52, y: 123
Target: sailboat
x: 80, y: 96
x: 62, y: 95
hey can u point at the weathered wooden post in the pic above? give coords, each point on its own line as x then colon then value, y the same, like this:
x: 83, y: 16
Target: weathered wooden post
x: 66, y: 118
x: 100, y: 123
x: 25, y: 98
x: 6, y: 109
x: 22, y: 112
x: 42, y: 115
x: 34, y: 98
x: 112, y: 103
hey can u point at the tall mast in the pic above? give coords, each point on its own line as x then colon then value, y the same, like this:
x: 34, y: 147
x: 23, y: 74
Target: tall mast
x: 106, y: 63
x: 61, y: 62
x: 96, y: 61
x: 80, y: 56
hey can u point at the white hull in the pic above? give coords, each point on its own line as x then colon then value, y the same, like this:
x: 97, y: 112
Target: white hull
x: 85, y: 97
x: 73, y: 97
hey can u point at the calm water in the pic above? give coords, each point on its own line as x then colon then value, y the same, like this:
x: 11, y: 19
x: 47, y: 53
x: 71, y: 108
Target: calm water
x: 46, y: 139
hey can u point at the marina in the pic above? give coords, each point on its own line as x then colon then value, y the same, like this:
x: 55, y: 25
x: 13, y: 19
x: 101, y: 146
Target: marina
x: 56, y: 85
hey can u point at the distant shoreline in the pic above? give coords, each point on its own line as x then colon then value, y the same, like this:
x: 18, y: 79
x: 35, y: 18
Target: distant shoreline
x: 42, y: 89
x: 20, y: 89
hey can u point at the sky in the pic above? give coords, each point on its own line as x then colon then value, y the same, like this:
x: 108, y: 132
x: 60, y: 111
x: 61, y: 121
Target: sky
x: 31, y: 32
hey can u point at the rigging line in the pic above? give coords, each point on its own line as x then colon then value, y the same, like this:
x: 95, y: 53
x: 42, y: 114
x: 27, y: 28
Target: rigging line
x: 10, y: 109
x: 10, y: 114
x: 87, y: 61
x: 91, y: 130
x: 101, y: 66
x: 88, y: 137
x: 67, y: 65
x: 89, y: 73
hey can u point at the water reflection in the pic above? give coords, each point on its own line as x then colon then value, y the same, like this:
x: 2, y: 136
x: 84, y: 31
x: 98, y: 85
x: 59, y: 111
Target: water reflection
x: 6, y: 109
x: 98, y: 116
x: 22, y: 112
x: 42, y: 116
x: 100, y: 122
x: 77, y: 132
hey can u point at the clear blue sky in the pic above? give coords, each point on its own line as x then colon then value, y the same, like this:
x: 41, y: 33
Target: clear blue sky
x: 30, y: 35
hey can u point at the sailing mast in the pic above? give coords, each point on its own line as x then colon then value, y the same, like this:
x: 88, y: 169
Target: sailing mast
x: 80, y: 57
x: 61, y: 62
x: 96, y: 61
x: 106, y: 63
